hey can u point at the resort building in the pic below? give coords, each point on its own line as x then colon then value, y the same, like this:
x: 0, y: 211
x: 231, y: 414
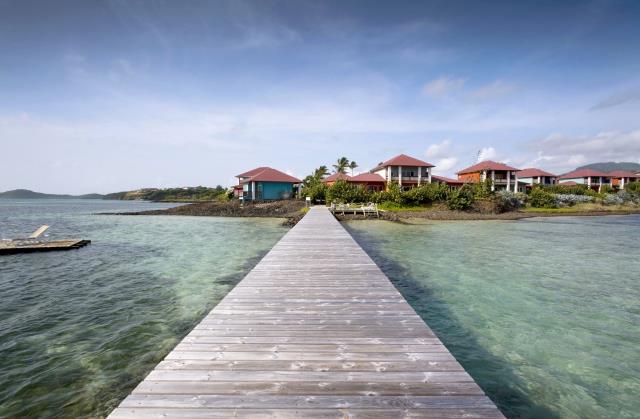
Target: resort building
x: 370, y: 181
x: 501, y: 175
x: 529, y: 177
x: 404, y: 170
x: 620, y: 178
x: 594, y: 179
x: 265, y: 184
x: 331, y: 179
x: 456, y: 183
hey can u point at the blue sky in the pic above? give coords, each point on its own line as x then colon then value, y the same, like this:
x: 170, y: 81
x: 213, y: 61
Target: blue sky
x: 133, y: 94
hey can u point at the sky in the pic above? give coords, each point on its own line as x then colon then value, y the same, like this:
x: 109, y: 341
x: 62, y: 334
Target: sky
x: 105, y: 96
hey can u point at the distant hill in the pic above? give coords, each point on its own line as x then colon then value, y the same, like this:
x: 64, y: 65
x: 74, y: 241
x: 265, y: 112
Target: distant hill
x: 186, y: 194
x: 27, y: 194
x: 611, y: 166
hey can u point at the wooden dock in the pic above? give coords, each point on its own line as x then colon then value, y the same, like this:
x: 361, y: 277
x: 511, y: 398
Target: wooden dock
x: 12, y: 247
x: 314, y: 330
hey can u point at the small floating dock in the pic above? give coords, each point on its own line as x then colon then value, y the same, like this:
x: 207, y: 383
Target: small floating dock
x: 315, y: 330
x: 365, y: 210
x: 12, y: 247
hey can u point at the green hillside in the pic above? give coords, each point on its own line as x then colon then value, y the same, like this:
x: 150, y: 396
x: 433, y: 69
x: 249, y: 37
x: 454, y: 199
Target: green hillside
x: 27, y: 194
x: 187, y: 194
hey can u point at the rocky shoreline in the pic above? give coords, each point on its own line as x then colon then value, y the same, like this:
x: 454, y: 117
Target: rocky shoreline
x: 447, y: 215
x: 291, y: 211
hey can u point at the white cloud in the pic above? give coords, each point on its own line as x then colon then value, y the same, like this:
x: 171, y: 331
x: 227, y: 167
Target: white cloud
x: 444, y: 85
x: 561, y: 153
x: 439, y: 150
x: 445, y: 164
x: 487, y: 153
x: 492, y: 91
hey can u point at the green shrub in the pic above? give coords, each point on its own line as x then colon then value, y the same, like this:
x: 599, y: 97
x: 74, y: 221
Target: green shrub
x: 540, y: 198
x: 632, y: 187
x: 461, y: 199
x: 509, y: 201
x: 316, y: 192
x: 590, y: 192
x: 566, y: 189
x: 606, y: 189
x: 426, y: 194
x: 342, y: 191
x: 392, y: 194
x: 483, y: 190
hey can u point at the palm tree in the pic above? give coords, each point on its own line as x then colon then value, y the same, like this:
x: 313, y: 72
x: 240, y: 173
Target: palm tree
x: 320, y: 173
x: 353, y: 166
x: 316, y: 177
x: 341, y: 165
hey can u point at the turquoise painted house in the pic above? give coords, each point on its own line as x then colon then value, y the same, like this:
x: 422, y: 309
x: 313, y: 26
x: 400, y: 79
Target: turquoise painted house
x: 265, y: 184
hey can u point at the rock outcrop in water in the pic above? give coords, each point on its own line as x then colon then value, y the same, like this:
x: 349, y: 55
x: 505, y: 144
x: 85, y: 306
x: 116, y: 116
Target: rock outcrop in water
x: 291, y: 210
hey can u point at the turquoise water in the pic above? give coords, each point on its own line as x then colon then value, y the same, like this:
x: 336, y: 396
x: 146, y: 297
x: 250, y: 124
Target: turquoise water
x: 543, y: 313
x: 79, y: 329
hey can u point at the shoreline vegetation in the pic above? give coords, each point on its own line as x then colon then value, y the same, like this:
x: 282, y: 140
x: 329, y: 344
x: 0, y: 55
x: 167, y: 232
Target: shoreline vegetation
x: 431, y: 201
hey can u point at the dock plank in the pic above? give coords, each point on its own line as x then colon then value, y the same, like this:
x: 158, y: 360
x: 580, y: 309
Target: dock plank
x: 314, y: 330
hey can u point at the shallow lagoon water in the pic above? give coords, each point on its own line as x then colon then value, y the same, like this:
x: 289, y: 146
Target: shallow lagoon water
x: 543, y: 313
x: 79, y: 329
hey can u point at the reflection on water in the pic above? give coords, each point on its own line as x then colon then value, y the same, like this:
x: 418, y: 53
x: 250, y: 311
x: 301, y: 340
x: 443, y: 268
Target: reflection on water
x: 544, y: 313
x: 79, y: 329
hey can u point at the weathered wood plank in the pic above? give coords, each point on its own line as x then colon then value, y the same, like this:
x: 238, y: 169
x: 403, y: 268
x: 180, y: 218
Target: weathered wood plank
x: 314, y: 330
x: 305, y: 402
x: 307, y: 388
x: 172, y: 413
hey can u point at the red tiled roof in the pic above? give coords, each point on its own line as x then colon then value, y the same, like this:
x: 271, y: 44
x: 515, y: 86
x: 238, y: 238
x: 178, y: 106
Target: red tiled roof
x: 403, y: 160
x: 252, y: 172
x: 267, y: 174
x: 367, y: 177
x: 568, y: 183
x: 486, y: 165
x: 447, y: 180
x: 623, y: 173
x: 533, y: 172
x: 337, y: 176
x: 583, y: 173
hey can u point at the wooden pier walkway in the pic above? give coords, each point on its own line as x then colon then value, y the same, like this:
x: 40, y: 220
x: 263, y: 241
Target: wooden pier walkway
x: 314, y: 330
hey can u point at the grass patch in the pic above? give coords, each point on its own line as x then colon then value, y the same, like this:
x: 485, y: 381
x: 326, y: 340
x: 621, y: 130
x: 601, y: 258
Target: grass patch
x: 393, y: 207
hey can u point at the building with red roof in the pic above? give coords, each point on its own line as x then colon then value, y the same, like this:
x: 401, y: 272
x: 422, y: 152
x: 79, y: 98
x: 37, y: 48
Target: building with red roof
x: 502, y: 176
x: 447, y: 180
x: 620, y: 178
x: 405, y: 170
x: 265, y: 184
x: 371, y: 181
x: 594, y: 179
x: 529, y: 177
x: 330, y: 180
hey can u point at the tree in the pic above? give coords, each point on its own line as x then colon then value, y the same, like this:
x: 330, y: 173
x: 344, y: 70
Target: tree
x: 353, y: 166
x: 320, y: 173
x: 341, y: 165
x: 315, y: 177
